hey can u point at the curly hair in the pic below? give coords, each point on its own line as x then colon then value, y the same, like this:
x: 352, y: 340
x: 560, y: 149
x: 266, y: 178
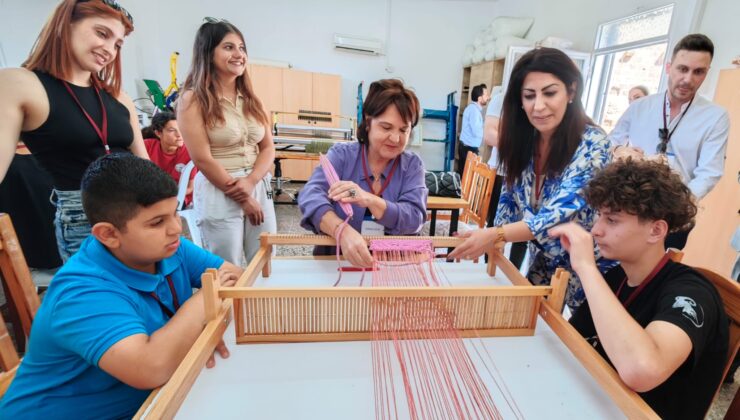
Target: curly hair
x: 648, y: 189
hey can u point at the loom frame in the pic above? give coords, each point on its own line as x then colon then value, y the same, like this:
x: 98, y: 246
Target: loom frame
x: 164, y: 402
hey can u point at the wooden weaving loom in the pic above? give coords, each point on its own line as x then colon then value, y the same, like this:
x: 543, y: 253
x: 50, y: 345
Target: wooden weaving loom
x: 271, y: 314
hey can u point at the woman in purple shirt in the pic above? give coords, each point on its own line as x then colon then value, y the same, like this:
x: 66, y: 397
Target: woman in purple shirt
x: 383, y: 182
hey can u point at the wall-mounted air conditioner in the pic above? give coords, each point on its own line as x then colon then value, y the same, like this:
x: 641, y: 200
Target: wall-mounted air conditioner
x: 358, y: 45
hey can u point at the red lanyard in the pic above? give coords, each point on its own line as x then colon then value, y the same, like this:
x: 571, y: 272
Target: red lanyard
x: 367, y: 176
x: 102, y: 132
x: 175, y: 302
x: 663, y: 261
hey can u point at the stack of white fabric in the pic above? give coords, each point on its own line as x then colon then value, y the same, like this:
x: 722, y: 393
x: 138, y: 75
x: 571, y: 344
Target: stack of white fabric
x: 494, y: 40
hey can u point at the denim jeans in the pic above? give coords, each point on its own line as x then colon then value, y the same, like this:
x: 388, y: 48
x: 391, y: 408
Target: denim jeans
x: 72, y: 226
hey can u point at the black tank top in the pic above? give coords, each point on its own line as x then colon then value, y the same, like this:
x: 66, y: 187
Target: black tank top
x: 66, y: 143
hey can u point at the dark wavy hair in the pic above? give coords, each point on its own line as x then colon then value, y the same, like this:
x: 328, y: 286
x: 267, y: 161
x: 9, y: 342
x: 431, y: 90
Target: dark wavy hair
x: 382, y: 94
x: 694, y: 42
x: 518, y: 137
x: 116, y: 186
x: 158, y: 122
x: 648, y: 189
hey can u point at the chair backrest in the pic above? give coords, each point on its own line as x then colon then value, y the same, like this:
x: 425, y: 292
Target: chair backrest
x: 479, y: 198
x: 16, y: 275
x: 182, y: 186
x: 729, y: 291
x: 9, y: 359
x: 467, y: 176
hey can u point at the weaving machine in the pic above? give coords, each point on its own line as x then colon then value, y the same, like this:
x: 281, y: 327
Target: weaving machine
x: 325, y: 319
x: 304, y: 141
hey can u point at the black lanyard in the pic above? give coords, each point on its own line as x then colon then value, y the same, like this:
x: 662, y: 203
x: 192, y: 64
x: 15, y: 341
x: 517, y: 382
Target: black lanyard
x: 101, y: 131
x: 663, y: 261
x: 367, y: 176
x: 175, y: 301
x: 666, y: 135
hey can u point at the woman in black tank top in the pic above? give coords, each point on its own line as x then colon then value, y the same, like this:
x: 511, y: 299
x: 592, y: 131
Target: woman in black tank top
x: 66, y: 104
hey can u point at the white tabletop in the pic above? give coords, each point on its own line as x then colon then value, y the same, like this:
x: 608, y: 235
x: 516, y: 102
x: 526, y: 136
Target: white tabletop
x: 335, y: 380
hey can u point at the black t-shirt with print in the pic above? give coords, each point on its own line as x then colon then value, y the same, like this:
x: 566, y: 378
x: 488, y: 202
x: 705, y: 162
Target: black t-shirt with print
x: 681, y: 296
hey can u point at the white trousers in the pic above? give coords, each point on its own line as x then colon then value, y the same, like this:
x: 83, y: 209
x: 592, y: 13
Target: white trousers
x: 225, y: 230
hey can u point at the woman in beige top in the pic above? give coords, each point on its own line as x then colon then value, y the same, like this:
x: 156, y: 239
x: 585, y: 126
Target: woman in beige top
x: 227, y: 133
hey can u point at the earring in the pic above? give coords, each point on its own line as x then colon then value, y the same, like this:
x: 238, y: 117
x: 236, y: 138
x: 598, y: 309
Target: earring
x: 571, y: 101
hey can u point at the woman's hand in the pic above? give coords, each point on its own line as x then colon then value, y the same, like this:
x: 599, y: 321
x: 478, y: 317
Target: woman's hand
x: 349, y: 192
x: 578, y: 242
x: 253, y: 210
x: 476, y: 243
x: 354, y: 248
x: 238, y: 189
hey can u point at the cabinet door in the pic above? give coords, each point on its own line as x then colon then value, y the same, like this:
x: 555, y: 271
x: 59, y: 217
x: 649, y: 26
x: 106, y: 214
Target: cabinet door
x: 297, y: 93
x: 327, y: 89
x: 267, y: 82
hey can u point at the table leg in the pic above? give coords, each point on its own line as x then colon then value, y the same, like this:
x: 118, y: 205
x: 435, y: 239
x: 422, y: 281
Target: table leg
x: 433, y: 222
x: 453, y: 224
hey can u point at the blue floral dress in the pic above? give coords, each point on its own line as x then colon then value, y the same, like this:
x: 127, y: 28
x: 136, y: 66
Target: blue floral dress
x: 562, y: 201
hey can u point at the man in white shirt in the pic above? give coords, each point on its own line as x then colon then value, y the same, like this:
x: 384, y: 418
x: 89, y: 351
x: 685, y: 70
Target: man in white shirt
x: 685, y: 128
x: 471, y: 134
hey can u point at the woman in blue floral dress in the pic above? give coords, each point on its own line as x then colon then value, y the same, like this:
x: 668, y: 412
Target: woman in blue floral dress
x: 549, y: 149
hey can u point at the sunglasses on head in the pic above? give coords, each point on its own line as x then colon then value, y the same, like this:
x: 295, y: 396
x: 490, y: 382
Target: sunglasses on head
x: 114, y: 5
x: 209, y: 19
x: 663, y: 145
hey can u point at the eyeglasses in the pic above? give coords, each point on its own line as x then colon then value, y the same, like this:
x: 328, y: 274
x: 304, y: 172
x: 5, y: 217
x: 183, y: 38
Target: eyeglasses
x: 114, y: 5
x: 209, y: 19
x: 663, y: 145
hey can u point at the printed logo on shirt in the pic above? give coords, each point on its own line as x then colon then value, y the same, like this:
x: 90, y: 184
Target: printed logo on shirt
x: 689, y: 310
x: 179, y: 167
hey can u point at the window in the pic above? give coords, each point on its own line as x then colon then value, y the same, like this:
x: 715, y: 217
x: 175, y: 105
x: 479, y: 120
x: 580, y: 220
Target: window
x: 628, y: 52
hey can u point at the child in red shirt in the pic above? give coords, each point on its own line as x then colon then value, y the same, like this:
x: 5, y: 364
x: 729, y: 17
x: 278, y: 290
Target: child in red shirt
x: 167, y: 150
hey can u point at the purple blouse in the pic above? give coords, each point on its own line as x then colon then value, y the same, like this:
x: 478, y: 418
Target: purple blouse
x: 405, y: 195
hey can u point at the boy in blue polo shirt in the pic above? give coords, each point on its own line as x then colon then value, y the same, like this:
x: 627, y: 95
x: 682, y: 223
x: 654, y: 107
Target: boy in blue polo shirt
x: 120, y: 316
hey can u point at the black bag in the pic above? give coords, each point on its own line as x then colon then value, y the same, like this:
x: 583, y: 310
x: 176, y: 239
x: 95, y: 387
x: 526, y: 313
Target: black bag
x: 443, y: 184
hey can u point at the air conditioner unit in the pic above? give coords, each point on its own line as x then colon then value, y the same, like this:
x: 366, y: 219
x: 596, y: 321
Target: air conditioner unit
x: 358, y: 45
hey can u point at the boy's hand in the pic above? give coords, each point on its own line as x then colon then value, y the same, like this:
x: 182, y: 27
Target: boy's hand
x: 227, y: 277
x: 222, y: 351
x: 578, y: 242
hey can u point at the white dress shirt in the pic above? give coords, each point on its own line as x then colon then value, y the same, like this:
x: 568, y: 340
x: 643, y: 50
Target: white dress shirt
x: 472, y: 125
x: 494, y: 110
x: 697, y: 146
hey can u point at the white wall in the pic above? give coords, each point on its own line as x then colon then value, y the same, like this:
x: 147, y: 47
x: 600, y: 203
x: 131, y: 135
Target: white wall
x: 720, y: 23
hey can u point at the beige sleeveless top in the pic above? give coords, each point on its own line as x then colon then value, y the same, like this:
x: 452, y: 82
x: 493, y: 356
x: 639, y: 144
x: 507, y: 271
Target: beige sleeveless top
x: 234, y: 143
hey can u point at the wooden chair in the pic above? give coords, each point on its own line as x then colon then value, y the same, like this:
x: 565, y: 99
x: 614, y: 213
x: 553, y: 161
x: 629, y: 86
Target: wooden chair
x: 471, y: 160
x: 482, y: 178
x: 9, y: 359
x: 20, y: 292
x: 729, y: 291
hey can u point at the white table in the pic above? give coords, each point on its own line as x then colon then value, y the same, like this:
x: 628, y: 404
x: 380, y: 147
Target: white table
x: 335, y: 381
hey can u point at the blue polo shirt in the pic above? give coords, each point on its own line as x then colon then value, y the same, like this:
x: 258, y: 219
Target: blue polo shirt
x: 93, y: 302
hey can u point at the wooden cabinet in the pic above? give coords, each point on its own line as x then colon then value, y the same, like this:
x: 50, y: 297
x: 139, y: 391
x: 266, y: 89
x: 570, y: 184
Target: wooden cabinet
x: 267, y: 82
x: 719, y: 212
x: 489, y: 73
x: 327, y: 89
x: 289, y: 90
x: 297, y: 93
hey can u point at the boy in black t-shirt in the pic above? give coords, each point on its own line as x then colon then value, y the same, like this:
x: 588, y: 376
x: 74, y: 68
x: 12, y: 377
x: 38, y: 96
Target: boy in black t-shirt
x: 659, y: 323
